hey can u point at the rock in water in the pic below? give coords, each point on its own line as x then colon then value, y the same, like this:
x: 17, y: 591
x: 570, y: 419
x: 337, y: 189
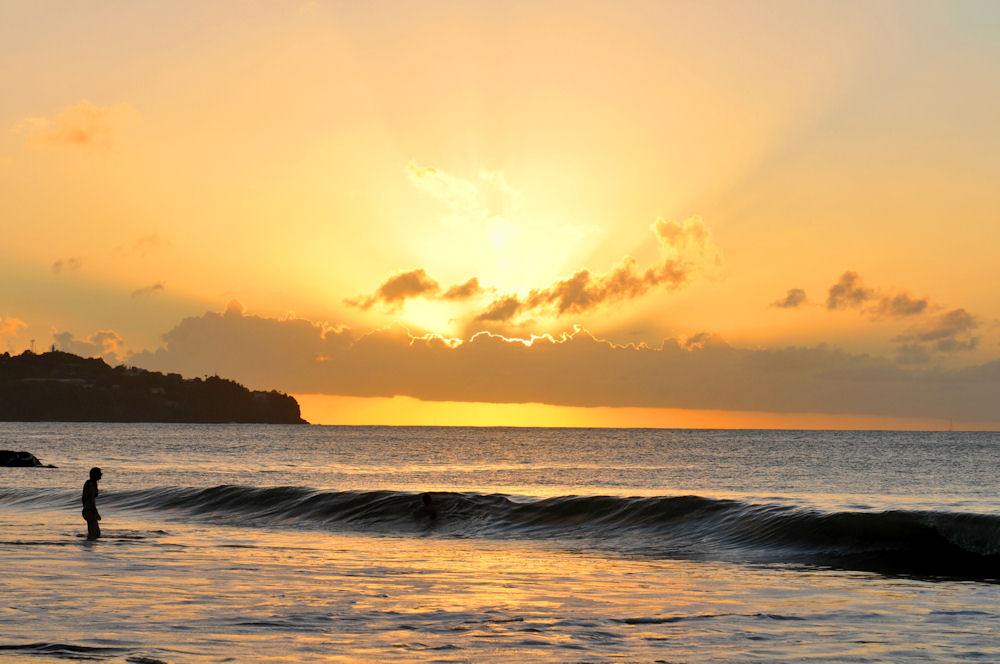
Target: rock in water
x: 11, y: 459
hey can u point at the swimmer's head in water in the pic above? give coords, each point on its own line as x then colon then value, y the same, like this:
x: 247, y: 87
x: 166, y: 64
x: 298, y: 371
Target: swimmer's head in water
x: 95, y: 473
x: 426, y: 498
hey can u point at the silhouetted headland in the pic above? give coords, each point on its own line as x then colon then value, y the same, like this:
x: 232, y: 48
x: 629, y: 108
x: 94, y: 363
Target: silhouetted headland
x: 12, y: 459
x: 62, y: 387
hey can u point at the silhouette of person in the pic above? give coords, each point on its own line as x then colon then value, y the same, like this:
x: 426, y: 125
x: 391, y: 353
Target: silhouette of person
x: 89, y: 499
x: 426, y: 509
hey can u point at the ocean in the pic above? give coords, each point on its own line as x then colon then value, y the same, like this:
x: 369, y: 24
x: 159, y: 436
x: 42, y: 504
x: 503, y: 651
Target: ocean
x: 246, y: 543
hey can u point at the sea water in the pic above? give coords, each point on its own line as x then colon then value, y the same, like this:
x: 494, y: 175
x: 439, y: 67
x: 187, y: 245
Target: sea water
x: 242, y: 543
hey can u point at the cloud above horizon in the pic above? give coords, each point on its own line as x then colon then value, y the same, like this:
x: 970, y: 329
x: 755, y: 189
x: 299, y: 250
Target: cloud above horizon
x: 10, y: 326
x: 82, y: 125
x: 795, y: 298
x: 950, y: 332
x: 400, y: 287
x: 899, y: 305
x: 574, y: 368
x: 70, y: 264
x: 152, y: 289
x: 489, y: 197
x: 849, y: 293
x: 106, y: 344
x: 686, y: 248
x: 470, y: 288
x: 141, y: 246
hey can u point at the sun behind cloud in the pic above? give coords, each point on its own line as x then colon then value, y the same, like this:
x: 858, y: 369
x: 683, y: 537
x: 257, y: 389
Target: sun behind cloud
x: 486, y: 218
x: 686, y: 250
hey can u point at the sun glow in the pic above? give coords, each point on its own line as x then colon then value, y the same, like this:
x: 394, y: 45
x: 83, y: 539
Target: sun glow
x: 459, y: 171
x: 407, y: 411
x: 431, y: 316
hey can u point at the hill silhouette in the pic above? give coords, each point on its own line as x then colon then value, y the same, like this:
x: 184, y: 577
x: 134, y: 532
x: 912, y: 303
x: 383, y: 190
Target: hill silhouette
x: 62, y: 387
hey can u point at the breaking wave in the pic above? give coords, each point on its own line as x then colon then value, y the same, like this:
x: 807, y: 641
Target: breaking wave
x: 928, y: 543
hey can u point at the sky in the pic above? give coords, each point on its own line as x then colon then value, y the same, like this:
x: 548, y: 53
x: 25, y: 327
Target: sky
x: 670, y: 214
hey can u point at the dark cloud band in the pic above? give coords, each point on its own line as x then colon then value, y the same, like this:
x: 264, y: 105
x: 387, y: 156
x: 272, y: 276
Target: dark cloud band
x: 573, y: 370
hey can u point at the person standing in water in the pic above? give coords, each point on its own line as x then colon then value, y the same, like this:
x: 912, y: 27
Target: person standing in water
x: 89, y: 498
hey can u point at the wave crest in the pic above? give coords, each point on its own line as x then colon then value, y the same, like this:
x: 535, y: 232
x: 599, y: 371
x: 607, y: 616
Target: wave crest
x: 931, y: 543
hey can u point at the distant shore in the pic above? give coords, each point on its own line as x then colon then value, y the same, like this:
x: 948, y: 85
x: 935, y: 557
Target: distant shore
x: 62, y: 387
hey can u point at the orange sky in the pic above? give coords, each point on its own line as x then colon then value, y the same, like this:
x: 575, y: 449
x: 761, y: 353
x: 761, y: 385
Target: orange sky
x: 744, y: 214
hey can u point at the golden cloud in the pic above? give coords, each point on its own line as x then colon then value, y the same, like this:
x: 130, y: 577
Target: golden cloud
x: 469, y: 201
x: 104, y: 343
x: 901, y: 304
x: 82, y: 125
x: 10, y: 326
x: 152, y: 289
x: 949, y: 332
x: 464, y: 291
x: 686, y: 248
x: 70, y: 264
x: 397, y: 289
x: 848, y: 292
x: 794, y: 299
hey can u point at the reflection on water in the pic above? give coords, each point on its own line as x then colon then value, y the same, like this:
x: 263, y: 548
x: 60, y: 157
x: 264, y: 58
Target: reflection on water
x: 196, y: 593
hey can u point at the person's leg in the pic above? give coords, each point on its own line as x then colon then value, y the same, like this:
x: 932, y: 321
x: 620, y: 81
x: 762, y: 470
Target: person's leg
x: 93, y: 529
